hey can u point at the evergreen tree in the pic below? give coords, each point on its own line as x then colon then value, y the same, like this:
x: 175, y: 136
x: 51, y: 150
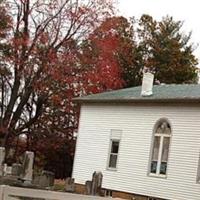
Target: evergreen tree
x: 166, y: 51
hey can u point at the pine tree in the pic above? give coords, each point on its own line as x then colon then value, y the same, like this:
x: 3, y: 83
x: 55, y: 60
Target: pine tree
x: 167, y: 51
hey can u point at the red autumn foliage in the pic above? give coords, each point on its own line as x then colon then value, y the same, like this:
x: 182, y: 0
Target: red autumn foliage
x: 39, y: 66
x: 102, y: 52
x: 52, y: 52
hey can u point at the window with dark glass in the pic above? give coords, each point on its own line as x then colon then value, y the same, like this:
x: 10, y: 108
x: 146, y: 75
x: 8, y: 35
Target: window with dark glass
x: 160, y: 150
x: 113, y: 154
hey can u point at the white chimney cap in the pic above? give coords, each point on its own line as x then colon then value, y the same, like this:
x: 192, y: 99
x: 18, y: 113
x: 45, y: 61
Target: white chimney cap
x: 147, y: 84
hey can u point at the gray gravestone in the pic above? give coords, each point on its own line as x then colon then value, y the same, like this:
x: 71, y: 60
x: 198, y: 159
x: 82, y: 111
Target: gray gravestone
x: 88, y: 187
x: 36, y: 179
x: 97, y: 178
x: 69, y: 185
x: 2, y: 158
x: 7, y: 170
x: 46, y: 179
x: 16, y: 169
x: 27, y: 167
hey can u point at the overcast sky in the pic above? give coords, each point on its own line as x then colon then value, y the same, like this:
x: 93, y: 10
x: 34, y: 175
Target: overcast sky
x: 184, y: 10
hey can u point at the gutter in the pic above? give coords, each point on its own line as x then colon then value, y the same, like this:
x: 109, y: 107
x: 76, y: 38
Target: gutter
x: 141, y: 100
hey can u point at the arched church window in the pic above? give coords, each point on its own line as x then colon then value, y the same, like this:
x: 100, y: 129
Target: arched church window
x: 160, y: 150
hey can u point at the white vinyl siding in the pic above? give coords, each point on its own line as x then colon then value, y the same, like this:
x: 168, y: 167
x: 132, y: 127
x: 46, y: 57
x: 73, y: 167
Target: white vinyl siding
x: 137, y: 122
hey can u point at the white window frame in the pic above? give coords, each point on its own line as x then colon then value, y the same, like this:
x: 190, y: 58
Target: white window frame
x: 115, y: 136
x: 116, y: 154
x: 161, y: 138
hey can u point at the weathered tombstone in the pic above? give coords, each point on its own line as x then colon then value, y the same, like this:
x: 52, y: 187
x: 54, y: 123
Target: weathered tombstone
x: 16, y: 169
x: 2, y: 158
x: 8, y: 170
x: 46, y: 179
x: 27, y: 167
x: 69, y: 185
x: 36, y: 179
x: 88, y: 187
x: 97, y: 178
x: 4, y: 169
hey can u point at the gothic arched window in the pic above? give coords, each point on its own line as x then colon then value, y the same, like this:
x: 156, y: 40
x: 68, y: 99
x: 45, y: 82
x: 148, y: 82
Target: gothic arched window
x: 160, y: 151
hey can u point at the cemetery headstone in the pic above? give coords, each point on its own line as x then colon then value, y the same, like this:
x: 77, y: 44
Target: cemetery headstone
x: 97, y: 178
x: 16, y: 169
x: 27, y: 167
x: 69, y: 185
x: 2, y: 158
x: 88, y: 187
x: 46, y: 179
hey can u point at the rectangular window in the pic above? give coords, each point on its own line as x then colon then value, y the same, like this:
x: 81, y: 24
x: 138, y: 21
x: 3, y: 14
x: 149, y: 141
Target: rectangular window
x: 160, y: 155
x: 154, y: 161
x: 113, y: 154
x: 164, y: 158
x: 114, y: 148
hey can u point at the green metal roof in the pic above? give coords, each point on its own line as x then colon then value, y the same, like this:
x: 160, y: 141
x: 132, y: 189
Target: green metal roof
x: 161, y: 93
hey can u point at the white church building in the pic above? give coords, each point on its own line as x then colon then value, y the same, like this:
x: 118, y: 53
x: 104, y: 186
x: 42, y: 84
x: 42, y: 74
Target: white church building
x: 145, y: 140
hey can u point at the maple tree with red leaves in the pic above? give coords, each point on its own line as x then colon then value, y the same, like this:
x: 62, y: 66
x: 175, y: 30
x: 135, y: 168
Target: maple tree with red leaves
x: 107, y: 53
x: 38, y: 69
